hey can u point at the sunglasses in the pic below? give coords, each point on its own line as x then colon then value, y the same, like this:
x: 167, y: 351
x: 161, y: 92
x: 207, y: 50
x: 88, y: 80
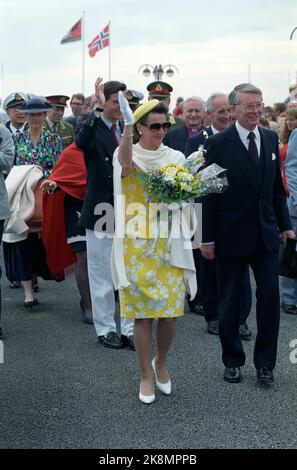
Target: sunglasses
x: 156, y: 126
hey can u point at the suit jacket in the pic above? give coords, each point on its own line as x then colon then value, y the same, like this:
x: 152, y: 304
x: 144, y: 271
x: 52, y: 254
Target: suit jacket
x: 291, y: 172
x: 194, y: 142
x: 177, y: 138
x: 7, y: 153
x: 65, y: 131
x: 71, y: 120
x: 251, y: 208
x: 8, y: 123
x: 98, y: 144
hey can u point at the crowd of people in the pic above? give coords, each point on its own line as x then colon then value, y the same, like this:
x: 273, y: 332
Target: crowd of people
x: 66, y: 185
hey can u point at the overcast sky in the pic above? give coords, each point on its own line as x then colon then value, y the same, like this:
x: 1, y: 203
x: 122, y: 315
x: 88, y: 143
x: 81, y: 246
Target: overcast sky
x: 211, y: 42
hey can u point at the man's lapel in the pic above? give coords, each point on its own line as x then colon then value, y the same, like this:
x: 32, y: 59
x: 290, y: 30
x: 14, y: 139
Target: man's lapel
x: 266, y: 152
x: 241, y: 157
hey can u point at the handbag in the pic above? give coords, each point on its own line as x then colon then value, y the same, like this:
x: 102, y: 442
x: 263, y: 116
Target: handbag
x: 288, y: 259
x: 36, y: 220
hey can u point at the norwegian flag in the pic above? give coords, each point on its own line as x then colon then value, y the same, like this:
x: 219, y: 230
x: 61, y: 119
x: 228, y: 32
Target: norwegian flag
x: 99, y: 42
x: 74, y: 34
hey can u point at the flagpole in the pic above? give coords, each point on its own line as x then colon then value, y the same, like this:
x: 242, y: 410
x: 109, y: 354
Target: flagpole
x: 83, y: 52
x: 109, y: 52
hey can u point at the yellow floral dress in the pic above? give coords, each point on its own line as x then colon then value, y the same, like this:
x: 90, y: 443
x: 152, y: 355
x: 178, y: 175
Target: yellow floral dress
x: 157, y: 290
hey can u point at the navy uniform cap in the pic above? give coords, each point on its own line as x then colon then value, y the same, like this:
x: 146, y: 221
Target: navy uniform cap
x: 134, y: 96
x: 14, y: 99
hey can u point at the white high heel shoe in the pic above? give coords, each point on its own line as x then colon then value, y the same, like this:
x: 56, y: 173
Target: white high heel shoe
x: 147, y: 399
x: 164, y: 388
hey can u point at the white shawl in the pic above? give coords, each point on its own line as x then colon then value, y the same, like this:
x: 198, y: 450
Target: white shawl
x: 181, y: 256
x: 20, y: 184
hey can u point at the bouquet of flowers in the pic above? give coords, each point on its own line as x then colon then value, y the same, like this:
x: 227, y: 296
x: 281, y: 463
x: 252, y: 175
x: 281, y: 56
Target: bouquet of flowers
x: 176, y: 183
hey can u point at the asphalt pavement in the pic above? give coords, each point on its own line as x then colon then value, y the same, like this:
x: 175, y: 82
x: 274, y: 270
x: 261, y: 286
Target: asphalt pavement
x: 60, y: 389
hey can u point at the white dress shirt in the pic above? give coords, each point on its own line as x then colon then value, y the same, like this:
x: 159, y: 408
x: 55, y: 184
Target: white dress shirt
x: 243, y: 134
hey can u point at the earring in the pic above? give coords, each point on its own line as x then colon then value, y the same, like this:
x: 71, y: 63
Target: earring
x: 139, y: 132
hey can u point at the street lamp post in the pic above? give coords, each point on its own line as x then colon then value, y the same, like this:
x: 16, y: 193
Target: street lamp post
x: 158, y: 70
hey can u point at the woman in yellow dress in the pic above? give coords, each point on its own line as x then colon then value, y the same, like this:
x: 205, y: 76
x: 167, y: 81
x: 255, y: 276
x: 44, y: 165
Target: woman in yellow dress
x: 151, y: 278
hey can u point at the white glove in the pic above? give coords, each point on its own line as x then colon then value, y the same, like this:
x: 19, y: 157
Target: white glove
x: 125, y: 110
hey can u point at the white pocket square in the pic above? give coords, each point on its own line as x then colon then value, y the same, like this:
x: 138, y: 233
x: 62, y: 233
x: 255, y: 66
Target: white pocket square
x: 273, y: 157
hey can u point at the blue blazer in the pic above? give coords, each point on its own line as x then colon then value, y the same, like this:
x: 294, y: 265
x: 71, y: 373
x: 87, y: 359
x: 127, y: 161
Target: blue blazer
x: 247, y: 211
x: 291, y: 172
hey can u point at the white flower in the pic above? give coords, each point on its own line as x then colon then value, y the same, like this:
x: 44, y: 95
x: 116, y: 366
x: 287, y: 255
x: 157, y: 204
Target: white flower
x: 169, y: 178
x: 171, y: 171
x: 187, y: 177
x: 140, y: 305
x: 134, y: 277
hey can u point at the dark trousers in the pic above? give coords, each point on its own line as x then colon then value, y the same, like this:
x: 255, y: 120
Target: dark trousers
x: 207, y: 289
x: 230, y: 275
x: 1, y: 233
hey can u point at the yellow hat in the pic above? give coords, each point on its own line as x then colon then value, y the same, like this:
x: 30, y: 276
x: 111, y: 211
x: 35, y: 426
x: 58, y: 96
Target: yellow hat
x: 144, y: 109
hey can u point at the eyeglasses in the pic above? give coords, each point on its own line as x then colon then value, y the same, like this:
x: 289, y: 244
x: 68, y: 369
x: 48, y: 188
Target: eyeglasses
x: 252, y: 107
x: 156, y: 126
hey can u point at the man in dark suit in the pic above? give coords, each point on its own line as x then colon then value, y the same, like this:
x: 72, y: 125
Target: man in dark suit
x: 240, y: 228
x: 218, y: 115
x: 98, y: 138
x: 194, y: 112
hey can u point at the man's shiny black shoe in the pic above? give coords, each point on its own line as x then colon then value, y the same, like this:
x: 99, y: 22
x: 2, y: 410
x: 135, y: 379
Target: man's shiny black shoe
x: 213, y: 327
x: 244, y: 332
x: 15, y: 284
x: 111, y: 340
x: 197, y: 309
x: 232, y: 375
x: 128, y: 342
x: 265, y: 376
x: 291, y: 309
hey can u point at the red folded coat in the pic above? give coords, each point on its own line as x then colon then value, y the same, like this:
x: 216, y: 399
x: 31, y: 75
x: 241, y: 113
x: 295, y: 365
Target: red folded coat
x: 71, y: 177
